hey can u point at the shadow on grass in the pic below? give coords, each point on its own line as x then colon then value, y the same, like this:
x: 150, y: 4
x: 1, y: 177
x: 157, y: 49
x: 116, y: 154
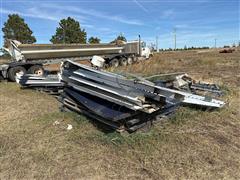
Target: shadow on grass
x: 105, y: 135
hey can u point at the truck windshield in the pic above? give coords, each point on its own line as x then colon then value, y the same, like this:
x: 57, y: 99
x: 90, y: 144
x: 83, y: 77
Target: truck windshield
x: 143, y: 44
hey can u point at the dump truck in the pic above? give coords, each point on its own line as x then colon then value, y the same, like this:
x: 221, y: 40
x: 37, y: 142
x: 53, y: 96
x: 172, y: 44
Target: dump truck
x: 30, y: 58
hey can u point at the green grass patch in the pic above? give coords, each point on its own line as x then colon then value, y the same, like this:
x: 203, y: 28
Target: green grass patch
x: 140, y: 139
x: 183, y: 114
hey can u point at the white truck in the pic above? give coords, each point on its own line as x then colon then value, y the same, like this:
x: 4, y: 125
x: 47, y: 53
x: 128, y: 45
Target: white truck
x: 30, y: 58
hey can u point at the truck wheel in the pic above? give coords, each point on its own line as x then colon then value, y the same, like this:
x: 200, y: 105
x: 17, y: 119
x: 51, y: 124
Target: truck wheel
x: 130, y: 60
x: 1, y: 78
x: 135, y: 59
x: 14, y: 70
x: 105, y: 66
x: 36, y: 69
x: 114, y: 62
x: 123, y: 61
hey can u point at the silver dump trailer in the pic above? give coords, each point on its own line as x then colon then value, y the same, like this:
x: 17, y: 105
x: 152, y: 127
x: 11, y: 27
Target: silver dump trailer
x: 29, y: 58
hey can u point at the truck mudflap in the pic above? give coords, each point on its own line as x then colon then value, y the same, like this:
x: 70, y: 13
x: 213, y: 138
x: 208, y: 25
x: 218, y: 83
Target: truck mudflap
x: 3, y: 71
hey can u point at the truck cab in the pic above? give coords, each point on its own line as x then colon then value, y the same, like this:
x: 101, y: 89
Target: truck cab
x: 145, y: 51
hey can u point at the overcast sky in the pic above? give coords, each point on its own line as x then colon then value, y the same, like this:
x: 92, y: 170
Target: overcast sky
x: 198, y: 22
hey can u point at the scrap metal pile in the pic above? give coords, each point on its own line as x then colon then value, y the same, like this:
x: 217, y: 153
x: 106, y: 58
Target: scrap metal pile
x: 183, y: 82
x: 124, y: 102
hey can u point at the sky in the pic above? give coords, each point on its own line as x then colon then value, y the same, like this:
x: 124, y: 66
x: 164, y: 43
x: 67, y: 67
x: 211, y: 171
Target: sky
x: 197, y: 22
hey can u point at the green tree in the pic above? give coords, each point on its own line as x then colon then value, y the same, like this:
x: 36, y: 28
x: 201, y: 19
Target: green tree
x: 15, y: 28
x: 69, y: 31
x: 94, y: 40
x: 119, y: 38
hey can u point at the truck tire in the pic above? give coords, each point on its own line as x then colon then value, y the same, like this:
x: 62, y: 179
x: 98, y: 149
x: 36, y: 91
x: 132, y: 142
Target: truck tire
x: 123, y: 61
x: 1, y: 78
x: 135, y: 59
x: 36, y: 69
x: 130, y: 60
x: 14, y: 70
x: 114, y: 62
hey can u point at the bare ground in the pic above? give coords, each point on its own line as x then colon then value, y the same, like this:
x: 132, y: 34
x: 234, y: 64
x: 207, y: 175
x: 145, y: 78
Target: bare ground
x: 194, y: 144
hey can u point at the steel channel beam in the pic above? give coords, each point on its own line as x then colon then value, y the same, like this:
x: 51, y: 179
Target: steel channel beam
x: 151, y: 88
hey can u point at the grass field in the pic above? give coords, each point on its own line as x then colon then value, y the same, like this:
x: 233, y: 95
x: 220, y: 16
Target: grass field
x: 194, y: 144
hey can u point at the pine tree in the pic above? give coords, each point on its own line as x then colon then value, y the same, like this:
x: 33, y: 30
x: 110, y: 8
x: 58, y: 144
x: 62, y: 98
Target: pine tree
x: 69, y: 31
x: 94, y: 40
x: 15, y: 28
x: 119, y: 38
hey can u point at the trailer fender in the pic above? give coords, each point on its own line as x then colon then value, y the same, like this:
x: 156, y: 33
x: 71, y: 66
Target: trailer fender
x: 4, y: 70
x: 26, y: 65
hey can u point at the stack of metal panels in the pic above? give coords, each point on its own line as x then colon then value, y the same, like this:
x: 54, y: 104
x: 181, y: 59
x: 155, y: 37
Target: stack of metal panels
x: 114, y: 115
x: 123, y: 102
x: 49, y: 83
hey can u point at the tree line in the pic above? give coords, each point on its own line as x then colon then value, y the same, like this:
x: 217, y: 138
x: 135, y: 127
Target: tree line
x: 69, y: 31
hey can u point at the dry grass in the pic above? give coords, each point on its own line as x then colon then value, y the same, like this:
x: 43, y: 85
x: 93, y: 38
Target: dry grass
x: 192, y: 145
